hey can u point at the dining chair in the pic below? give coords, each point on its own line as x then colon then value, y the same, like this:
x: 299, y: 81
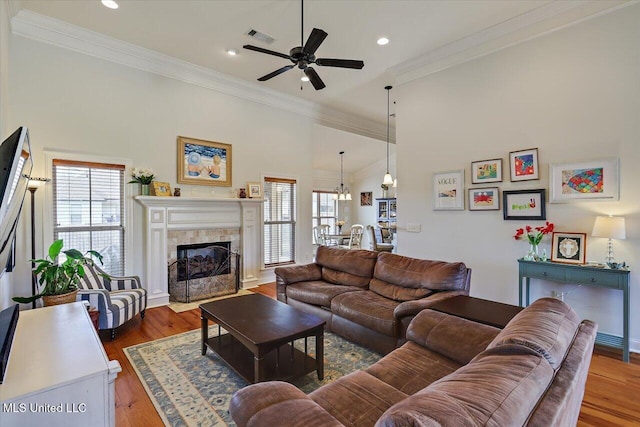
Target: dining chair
x: 317, y: 237
x: 376, y: 240
x: 325, y: 231
x: 355, y: 239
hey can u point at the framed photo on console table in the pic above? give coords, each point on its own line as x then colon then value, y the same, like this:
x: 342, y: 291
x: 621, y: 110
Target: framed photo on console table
x: 569, y: 247
x: 524, y: 204
x: 203, y: 162
x: 593, y: 180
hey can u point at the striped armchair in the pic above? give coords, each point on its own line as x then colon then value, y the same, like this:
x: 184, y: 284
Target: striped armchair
x: 117, y: 298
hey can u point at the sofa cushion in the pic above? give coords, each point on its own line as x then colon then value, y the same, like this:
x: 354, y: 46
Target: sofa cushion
x: 405, y: 279
x: 357, y: 399
x: 547, y: 326
x: 367, y: 309
x: 453, y: 337
x: 358, y: 265
x: 493, y: 390
x: 317, y: 292
x: 412, y: 367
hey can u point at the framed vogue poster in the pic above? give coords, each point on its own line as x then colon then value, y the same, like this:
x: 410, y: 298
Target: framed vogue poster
x: 486, y: 171
x: 448, y: 190
x: 204, y: 162
x: 484, y: 199
x: 523, y: 165
x: 593, y: 180
x: 524, y: 204
x: 569, y: 248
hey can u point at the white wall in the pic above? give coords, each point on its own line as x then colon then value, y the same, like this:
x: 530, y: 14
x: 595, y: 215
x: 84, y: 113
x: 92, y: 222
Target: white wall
x: 575, y: 95
x: 78, y: 103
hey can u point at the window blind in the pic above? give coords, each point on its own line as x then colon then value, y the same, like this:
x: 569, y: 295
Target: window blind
x: 279, y: 221
x: 88, y: 209
x: 324, y: 208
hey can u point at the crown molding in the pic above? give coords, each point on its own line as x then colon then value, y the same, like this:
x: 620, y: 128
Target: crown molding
x: 535, y: 23
x: 59, y: 33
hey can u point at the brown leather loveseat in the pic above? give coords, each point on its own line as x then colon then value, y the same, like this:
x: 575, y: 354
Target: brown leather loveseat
x: 369, y: 297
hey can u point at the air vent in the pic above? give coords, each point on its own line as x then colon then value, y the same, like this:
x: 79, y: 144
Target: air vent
x: 260, y: 36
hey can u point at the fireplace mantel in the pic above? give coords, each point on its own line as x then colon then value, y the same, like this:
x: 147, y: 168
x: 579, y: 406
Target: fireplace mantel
x: 189, y: 213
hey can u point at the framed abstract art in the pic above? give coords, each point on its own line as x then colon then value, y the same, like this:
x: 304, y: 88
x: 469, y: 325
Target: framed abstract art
x: 523, y: 165
x: 484, y: 171
x: 592, y: 180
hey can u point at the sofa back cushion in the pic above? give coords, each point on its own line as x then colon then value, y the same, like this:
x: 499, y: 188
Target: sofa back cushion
x: 493, y: 390
x: 404, y: 279
x: 346, y: 267
x: 547, y: 326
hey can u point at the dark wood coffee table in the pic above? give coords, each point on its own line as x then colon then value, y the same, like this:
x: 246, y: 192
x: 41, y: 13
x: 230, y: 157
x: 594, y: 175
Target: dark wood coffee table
x: 478, y: 310
x: 259, y: 345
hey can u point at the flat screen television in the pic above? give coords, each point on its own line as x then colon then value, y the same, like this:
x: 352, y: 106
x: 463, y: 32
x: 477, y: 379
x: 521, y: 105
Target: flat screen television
x: 15, y: 170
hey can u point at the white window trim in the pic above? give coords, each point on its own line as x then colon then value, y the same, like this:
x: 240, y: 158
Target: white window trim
x: 47, y: 226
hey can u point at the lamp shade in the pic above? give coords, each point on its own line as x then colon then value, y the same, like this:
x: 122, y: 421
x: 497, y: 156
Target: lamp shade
x: 388, y: 180
x: 611, y: 227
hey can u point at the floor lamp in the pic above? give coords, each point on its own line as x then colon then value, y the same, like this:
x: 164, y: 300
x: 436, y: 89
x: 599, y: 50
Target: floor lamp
x: 34, y: 184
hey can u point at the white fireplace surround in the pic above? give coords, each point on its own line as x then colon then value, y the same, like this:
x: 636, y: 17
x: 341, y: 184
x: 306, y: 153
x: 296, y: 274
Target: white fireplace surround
x: 163, y: 214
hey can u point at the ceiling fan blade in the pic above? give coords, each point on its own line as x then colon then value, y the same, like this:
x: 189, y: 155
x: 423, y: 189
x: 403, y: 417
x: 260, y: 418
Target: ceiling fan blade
x: 314, y: 41
x: 276, y: 72
x: 314, y: 78
x: 342, y: 63
x: 267, y: 51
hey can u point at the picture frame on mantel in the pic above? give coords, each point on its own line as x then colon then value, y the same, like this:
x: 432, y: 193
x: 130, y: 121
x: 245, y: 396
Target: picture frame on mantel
x: 584, y: 181
x: 203, y: 162
x: 524, y: 204
x: 448, y: 190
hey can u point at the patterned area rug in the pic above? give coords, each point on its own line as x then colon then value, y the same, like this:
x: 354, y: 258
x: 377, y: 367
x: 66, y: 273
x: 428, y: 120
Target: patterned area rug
x: 179, y: 307
x: 189, y: 389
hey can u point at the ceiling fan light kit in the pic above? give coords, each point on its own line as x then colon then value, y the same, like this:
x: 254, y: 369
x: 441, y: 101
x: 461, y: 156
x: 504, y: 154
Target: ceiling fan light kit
x: 303, y: 57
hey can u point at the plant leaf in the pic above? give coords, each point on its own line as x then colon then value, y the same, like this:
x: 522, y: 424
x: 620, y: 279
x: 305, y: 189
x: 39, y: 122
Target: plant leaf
x: 74, y: 254
x: 55, y: 248
x: 26, y: 300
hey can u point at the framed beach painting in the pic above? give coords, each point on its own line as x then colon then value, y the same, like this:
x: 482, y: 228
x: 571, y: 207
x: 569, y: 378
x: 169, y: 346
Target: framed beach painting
x: 593, y: 180
x: 486, y: 171
x: 484, y: 199
x: 524, y: 204
x: 204, y: 162
x: 569, y: 247
x: 448, y: 190
x: 523, y: 165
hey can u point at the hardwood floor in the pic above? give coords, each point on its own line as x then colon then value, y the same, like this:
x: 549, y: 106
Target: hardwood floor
x: 611, y: 396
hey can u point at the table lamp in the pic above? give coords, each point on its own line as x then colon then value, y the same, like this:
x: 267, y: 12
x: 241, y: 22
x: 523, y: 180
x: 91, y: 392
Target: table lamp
x: 610, y: 227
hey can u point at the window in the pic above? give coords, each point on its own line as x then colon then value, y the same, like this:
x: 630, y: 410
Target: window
x: 279, y: 221
x: 324, y: 209
x: 88, y: 209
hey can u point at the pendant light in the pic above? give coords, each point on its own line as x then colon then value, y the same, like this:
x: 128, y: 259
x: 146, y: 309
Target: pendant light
x: 388, y: 179
x: 343, y: 192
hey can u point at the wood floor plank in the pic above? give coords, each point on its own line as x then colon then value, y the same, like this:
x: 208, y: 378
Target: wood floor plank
x: 610, y: 398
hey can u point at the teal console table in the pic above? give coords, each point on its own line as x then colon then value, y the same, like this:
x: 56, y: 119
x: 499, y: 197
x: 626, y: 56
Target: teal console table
x: 581, y: 275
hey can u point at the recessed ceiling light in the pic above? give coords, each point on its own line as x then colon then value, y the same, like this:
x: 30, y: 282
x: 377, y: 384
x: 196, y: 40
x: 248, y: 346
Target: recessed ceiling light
x: 304, y: 78
x: 111, y: 4
x: 232, y: 52
x: 382, y: 41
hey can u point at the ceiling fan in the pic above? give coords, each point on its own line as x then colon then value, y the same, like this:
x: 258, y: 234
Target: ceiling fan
x: 304, y: 55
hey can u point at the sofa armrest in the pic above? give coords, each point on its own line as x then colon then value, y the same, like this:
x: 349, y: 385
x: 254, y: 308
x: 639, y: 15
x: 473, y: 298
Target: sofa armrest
x: 411, y: 308
x: 277, y: 403
x: 298, y: 273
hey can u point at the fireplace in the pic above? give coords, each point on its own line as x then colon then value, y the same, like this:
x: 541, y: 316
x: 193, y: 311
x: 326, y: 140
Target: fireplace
x: 203, y: 270
x: 200, y: 260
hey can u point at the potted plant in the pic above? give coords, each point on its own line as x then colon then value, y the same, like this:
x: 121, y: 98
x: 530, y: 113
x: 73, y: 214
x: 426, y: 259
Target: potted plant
x: 59, y: 282
x: 144, y: 177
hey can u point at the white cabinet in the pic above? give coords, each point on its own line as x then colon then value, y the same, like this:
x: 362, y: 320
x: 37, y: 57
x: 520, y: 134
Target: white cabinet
x: 58, y: 372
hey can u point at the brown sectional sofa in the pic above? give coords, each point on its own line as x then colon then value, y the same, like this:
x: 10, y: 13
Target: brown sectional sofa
x: 369, y: 297
x: 450, y: 372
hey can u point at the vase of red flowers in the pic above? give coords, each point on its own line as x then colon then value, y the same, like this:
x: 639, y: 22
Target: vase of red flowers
x: 534, y: 236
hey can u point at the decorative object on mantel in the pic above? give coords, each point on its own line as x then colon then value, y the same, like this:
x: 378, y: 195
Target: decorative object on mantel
x: 534, y: 237
x: 60, y: 280
x: 203, y: 162
x: 388, y: 179
x: 254, y: 190
x: 343, y: 192
x: 176, y: 192
x: 610, y: 227
x: 569, y: 248
x: 524, y: 165
x: 161, y: 189
x: 242, y: 193
x: 144, y: 177
x: 592, y: 180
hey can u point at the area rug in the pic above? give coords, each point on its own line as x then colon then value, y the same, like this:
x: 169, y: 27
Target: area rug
x: 179, y: 307
x: 189, y: 389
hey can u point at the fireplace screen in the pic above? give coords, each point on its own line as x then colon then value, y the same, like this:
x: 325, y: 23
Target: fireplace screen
x: 204, y: 270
